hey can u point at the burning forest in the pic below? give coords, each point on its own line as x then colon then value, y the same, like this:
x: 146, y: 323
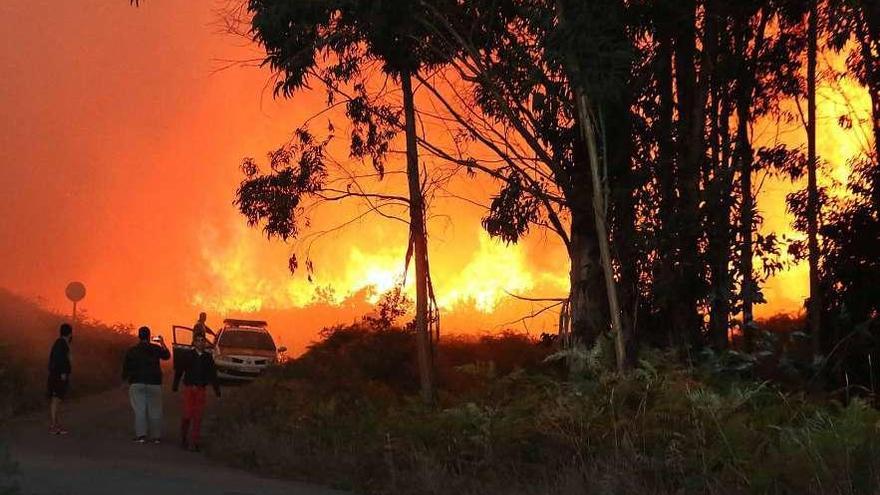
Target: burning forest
x: 521, y: 245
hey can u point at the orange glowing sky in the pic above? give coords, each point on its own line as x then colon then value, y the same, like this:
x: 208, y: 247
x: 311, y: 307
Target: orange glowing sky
x: 120, y: 148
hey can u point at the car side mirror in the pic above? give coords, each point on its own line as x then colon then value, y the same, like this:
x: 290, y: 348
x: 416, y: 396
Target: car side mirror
x: 282, y: 350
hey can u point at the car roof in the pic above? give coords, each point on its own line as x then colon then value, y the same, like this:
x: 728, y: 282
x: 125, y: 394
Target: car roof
x: 244, y: 329
x: 255, y: 324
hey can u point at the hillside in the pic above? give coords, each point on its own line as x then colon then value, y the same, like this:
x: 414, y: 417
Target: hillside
x: 27, y: 331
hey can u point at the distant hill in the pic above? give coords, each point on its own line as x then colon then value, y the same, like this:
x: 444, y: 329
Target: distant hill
x: 27, y: 331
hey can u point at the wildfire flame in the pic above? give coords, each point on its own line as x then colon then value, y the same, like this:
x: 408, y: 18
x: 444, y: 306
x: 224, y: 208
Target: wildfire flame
x: 839, y: 100
x: 243, y: 275
x: 243, y: 280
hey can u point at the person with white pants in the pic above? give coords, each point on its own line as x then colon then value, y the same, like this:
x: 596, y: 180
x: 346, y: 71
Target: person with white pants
x: 146, y: 401
x: 142, y: 372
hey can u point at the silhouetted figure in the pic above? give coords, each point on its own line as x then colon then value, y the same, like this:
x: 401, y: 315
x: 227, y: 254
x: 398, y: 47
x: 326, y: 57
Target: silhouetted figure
x: 201, y: 329
x: 59, y: 376
x: 143, y: 373
x: 197, y: 371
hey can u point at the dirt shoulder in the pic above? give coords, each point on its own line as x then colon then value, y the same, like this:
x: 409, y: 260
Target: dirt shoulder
x: 98, y: 456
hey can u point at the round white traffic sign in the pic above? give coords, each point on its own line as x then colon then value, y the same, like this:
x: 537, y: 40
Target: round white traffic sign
x: 75, y: 291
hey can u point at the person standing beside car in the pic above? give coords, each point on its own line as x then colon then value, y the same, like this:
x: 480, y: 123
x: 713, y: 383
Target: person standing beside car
x: 143, y: 373
x: 59, y: 376
x: 197, y: 371
x: 200, y: 328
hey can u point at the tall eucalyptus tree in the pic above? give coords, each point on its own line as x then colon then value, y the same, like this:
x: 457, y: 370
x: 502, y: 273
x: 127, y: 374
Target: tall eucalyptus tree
x: 299, y: 37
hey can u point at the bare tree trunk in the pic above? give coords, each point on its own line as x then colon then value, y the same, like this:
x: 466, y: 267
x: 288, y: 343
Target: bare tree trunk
x: 691, y: 94
x: 747, y: 219
x: 663, y: 276
x: 587, y: 301
x: 720, y: 238
x: 420, y: 242
x: 589, y: 131
x: 617, y: 140
x: 815, y: 304
x: 717, y: 215
x: 588, y: 314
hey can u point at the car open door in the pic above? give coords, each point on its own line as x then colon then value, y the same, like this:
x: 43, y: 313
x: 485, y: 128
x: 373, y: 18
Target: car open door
x: 181, y: 344
x: 181, y: 335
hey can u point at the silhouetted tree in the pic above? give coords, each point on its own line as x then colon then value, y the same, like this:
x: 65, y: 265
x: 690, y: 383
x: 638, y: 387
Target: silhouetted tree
x: 815, y: 302
x: 518, y: 104
x: 354, y: 34
x: 850, y: 268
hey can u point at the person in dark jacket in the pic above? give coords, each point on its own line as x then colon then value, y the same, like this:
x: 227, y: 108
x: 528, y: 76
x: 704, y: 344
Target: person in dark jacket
x: 59, y: 376
x: 197, y: 371
x: 142, y: 372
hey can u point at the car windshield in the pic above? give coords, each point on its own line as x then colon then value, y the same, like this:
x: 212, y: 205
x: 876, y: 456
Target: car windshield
x: 247, y: 340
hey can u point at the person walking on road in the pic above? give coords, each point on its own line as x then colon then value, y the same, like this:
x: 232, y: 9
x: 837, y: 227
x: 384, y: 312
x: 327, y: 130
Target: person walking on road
x: 197, y: 371
x: 201, y: 328
x: 59, y: 376
x: 142, y: 372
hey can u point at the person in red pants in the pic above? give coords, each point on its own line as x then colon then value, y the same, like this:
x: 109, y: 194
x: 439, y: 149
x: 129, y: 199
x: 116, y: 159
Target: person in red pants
x: 197, y: 372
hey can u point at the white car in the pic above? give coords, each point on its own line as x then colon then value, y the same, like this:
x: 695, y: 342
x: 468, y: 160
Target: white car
x: 242, y: 350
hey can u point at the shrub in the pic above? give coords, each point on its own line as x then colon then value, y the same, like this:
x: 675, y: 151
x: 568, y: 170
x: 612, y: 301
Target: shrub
x: 27, y: 332
x: 507, y: 422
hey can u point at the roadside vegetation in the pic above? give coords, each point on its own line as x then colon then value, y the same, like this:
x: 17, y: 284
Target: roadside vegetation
x: 8, y: 474
x: 27, y: 332
x: 510, y: 418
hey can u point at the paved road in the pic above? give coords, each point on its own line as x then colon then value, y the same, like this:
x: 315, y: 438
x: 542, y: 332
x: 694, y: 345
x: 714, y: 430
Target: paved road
x: 98, y: 457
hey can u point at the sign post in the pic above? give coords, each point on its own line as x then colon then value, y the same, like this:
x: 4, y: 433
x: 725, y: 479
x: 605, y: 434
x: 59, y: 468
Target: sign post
x: 75, y: 292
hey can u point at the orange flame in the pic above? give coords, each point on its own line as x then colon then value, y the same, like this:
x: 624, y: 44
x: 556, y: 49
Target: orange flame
x: 836, y: 147
x: 243, y: 280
